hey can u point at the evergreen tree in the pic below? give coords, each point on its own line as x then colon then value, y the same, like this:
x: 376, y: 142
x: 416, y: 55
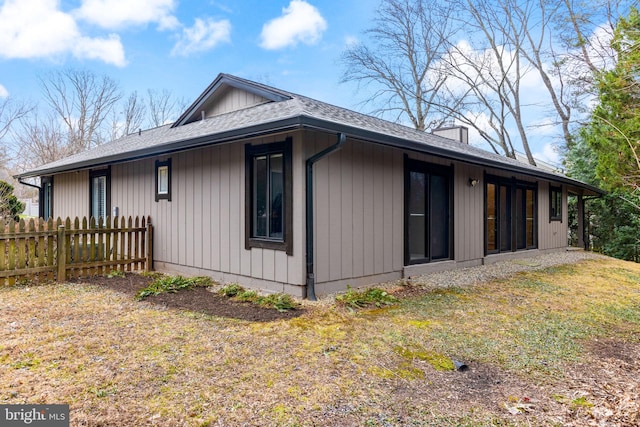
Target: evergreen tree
x: 614, y: 129
x: 10, y: 206
x: 607, y: 149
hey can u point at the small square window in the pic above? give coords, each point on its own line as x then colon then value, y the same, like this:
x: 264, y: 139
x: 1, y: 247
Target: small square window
x: 163, y: 180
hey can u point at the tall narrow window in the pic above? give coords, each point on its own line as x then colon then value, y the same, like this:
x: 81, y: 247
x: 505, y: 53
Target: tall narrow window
x: 510, y: 215
x: 269, y: 188
x: 428, y: 225
x: 100, y: 193
x: 46, y: 202
x: 163, y: 180
x: 555, y: 204
x: 492, y: 218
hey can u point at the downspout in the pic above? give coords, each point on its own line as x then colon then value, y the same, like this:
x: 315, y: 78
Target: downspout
x: 39, y: 193
x: 311, y: 281
x: 29, y: 184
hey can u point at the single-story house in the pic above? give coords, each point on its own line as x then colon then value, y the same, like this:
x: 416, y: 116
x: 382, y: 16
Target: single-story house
x: 284, y: 193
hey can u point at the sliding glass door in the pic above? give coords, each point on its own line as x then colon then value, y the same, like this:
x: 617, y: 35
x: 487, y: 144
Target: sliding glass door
x: 428, y: 224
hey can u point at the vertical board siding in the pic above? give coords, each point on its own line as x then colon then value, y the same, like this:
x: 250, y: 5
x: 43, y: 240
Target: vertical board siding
x: 358, y: 202
x: 358, y: 209
x: 234, y: 99
x: 551, y: 234
x: 203, y: 226
x: 71, y: 194
x: 347, y: 219
x: 378, y: 165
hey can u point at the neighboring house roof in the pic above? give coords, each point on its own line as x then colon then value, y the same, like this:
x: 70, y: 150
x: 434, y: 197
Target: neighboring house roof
x: 282, y: 111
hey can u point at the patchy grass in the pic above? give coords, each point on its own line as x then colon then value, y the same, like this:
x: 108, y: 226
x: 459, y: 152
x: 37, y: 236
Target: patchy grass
x: 544, y: 348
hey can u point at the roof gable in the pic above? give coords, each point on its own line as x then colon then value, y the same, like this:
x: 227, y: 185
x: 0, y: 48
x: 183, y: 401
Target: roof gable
x: 226, y: 94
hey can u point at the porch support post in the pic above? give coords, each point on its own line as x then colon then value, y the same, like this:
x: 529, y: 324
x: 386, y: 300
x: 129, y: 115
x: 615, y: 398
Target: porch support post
x: 581, y: 239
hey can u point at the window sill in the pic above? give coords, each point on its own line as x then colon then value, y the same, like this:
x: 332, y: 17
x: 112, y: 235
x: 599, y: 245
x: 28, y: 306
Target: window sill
x: 277, y: 245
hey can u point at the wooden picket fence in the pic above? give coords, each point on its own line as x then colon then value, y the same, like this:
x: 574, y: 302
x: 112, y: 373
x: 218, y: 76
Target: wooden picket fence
x: 56, y: 250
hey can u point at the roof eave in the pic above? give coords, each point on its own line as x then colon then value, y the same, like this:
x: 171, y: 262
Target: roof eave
x: 402, y: 143
x: 283, y: 125
x: 310, y: 122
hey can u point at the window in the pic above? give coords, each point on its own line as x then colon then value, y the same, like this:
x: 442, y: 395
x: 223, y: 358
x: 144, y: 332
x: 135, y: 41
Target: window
x: 428, y: 226
x: 555, y: 204
x: 163, y: 180
x: 46, y: 197
x: 510, y: 215
x: 100, y: 193
x: 268, y: 218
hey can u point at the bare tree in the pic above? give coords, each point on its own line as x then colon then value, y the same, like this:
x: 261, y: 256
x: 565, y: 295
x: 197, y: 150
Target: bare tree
x: 130, y: 118
x: 492, y: 66
x: 584, y: 30
x: 82, y: 101
x: 403, y: 63
x: 163, y: 107
x: 40, y: 141
x: 11, y: 111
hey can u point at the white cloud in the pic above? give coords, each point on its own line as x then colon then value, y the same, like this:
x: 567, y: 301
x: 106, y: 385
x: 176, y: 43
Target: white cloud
x: 300, y: 23
x: 351, y: 41
x: 3, y: 92
x: 115, y: 14
x: 109, y: 50
x: 204, y: 35
x: 549, y: 154
x: 37, y: 29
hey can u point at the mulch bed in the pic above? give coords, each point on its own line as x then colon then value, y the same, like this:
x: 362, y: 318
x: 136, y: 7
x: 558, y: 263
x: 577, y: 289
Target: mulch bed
x: 199, y: 299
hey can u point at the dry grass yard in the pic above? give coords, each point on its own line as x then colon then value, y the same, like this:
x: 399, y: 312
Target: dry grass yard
x: 553, y: 347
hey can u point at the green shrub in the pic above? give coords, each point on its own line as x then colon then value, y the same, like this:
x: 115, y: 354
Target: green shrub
x: 231, y: 290
x: 115, y: 273
x: 248, y: 296
x: 280, y: 302
x: 172, y: 284
x: 368, y: 297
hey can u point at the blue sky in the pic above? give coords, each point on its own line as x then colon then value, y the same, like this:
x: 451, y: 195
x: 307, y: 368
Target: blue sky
x: 182, y: 45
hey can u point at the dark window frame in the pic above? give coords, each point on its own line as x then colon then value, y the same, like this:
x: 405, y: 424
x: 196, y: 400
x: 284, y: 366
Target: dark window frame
x: 555, y: 192
x: 512, y: 185
x: 429, y: 169
x: 45, y: 182
x: 252, y: 151
x: 167, y: 195
x: 95, y: 174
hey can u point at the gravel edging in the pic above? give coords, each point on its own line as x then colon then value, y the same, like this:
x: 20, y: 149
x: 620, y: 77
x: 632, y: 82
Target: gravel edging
x: 500, y: 270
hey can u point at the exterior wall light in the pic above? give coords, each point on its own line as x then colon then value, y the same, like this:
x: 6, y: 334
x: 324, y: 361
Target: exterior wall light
x: 473, y: 182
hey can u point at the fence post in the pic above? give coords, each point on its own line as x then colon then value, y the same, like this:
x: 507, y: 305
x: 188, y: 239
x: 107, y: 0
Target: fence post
x: 149, y: 263
x: 62, y: 255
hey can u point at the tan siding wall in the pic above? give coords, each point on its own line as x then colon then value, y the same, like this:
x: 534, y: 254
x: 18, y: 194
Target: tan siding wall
x: 552, y: 234
x: 359, y: 214
x: 233, y: 99
x: 469, y: 213
x: 71, y: 194
x: 358, y: 201
x: 201, y: 231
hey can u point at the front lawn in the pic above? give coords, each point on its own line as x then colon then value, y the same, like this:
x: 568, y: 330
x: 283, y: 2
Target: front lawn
x: 559, y: 346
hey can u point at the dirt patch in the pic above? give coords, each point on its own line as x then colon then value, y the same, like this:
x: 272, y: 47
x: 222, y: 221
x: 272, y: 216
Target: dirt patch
x: 199, y: 300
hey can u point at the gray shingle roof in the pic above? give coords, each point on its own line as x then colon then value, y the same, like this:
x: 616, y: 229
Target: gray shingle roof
x: 292, y: 112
